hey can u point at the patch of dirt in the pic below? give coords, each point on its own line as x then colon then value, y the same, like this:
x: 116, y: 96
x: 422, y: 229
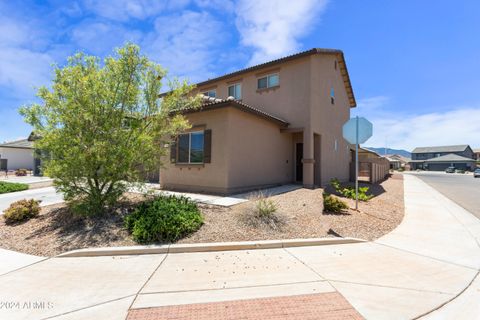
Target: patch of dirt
x: 299, y: 215
x: 57, y: 230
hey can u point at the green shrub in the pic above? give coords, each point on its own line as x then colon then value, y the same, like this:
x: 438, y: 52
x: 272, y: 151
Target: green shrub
x: 333, y: 204
x: 164, y: 219
x: 349, y: 192
x: 6, y: 187
x: 265, y: 207
x: 22, y: 210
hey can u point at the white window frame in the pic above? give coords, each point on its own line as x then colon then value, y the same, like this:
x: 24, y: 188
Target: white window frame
x: 268, y: 82
x: 207, y: 93
x: 234, y: 85
x: 190, y: 147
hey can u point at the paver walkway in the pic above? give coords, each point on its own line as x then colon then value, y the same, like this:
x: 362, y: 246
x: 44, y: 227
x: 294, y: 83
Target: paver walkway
x: 428, y: 267
x: 325, y: 306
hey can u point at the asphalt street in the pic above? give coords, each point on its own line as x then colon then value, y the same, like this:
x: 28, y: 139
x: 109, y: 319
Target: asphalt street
x: 460, y: 188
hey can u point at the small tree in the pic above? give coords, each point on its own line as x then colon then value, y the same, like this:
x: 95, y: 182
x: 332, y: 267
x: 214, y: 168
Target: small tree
x: 103, y: 126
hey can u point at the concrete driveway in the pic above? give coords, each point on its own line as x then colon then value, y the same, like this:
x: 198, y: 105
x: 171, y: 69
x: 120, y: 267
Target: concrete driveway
x: 427, y: 267
x: 463, y: 189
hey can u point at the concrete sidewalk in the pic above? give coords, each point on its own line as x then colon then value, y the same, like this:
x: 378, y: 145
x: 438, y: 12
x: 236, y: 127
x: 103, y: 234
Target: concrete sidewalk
x: 428, y: 267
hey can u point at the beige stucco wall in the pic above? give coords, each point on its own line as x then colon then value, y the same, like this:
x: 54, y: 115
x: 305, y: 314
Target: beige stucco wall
x: 247, y: 152
x: 302, y: 99
x: 289, y: 101
x: 18, y: 158
x: 327, y: 120
x: 258, y: 153
x: 210, y: 177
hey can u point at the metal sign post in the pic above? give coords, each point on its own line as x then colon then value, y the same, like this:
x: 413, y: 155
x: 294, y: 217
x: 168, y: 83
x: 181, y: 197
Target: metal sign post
x: 357, y: 130
x: 356, y: 163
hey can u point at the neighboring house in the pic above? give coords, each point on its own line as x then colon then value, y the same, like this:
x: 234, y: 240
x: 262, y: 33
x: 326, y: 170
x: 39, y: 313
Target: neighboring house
x: 274, y: 123
x: 442, y: 157
x: 398, y: 161
x: 16, y: 155
x: 477, y: 154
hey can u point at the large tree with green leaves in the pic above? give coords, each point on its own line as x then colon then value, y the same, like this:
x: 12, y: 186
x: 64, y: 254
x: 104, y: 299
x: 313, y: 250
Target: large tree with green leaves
x: 102, y: 125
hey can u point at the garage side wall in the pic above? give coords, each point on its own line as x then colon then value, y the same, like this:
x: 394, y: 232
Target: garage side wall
x: 17, y: 158
x: 259, y: 154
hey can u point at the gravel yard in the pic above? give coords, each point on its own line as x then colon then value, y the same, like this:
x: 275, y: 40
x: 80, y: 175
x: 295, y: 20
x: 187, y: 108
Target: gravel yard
x: 299, y: 215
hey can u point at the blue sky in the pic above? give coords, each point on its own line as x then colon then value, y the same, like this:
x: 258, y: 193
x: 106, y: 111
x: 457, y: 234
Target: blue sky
x: 414, y: 65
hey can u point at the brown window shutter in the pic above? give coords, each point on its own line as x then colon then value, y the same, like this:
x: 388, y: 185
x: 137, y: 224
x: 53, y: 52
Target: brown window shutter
x: 207, y: 146
x: 173, y: 151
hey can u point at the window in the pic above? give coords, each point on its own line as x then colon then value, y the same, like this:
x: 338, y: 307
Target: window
x: 332, y: 95
x: 272, y: 80
x: 190, y: 147
x: 235, y: 90
x: 210, y: 93
x: 335, y: 65
x: 336, y: 145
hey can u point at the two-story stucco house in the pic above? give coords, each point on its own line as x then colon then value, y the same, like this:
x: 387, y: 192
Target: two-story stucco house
x: 442, y: 157
x: 275, y: 123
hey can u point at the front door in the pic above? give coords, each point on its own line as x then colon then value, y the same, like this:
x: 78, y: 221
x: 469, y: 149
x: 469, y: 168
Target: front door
x: 298, y: 162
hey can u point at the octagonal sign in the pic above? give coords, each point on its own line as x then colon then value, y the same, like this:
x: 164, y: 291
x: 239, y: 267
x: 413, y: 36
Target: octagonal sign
x: 365, y: 130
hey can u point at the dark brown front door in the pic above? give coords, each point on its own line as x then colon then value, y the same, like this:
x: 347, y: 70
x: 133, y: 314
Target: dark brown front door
x: 298, y: 162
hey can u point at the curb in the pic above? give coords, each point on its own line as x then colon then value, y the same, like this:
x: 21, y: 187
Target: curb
x: 206, y: 247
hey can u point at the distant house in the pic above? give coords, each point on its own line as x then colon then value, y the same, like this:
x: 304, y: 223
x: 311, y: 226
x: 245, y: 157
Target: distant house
x: 442, y: 157
x: 398, y: 161
x: 477, y: 154
x: 16, y: 155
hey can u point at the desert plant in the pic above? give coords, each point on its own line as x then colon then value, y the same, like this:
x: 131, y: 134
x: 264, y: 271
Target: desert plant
x: 22, y: 210
x: 163, y: 218
x: 265, y: 207
x: 6, y: 187
x: 349, y: 192
x: 21, y: 172
x: 102, y: 125
x: 333, y: 204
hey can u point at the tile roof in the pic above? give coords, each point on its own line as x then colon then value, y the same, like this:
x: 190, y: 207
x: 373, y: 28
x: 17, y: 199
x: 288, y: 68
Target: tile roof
x: 210, y: 103
x: 341, y: 63
x: 22, y: 143
x: 456, y: 148
x: 451, y: 157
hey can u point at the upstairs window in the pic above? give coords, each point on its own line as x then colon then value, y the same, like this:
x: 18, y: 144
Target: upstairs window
x: 332, y: 95
x: 210, y: 93
x: 272, y: 80
x: 235, y: 90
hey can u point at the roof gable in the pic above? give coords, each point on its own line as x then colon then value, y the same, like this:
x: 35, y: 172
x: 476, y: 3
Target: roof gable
x: 210, y: 103
x: 455, y: 148
x: 450, y: 157
x: 22, y: 143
